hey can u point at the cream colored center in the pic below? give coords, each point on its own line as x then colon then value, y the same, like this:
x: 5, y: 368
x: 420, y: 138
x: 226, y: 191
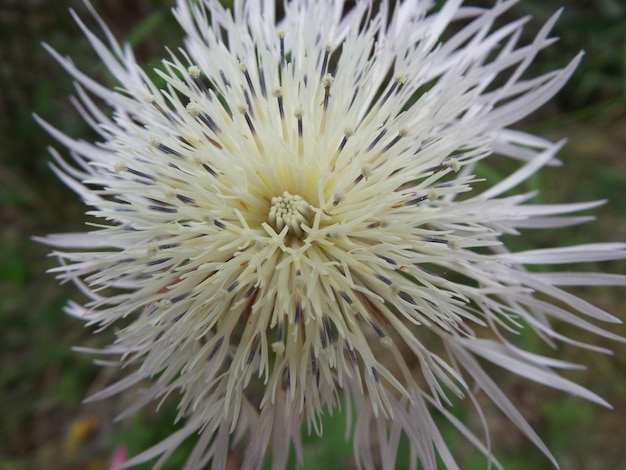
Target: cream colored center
x: 290, y: 211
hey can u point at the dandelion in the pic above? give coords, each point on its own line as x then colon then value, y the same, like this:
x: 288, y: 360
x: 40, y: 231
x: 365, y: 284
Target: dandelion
x: 289, y: 223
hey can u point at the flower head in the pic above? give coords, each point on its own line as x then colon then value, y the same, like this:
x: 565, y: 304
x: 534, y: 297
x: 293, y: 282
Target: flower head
x: 290, y: 221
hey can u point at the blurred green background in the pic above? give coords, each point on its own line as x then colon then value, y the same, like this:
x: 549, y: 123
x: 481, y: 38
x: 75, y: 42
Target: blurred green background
x: 42, y: 382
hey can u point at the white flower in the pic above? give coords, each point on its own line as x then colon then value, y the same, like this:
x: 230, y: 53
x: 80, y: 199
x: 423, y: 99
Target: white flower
x: 290, y: 222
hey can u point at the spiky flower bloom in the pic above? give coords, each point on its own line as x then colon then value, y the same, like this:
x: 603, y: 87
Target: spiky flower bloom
x: 289, y: 221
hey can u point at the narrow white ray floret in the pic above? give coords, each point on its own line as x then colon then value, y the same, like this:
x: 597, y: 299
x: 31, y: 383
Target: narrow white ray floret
x: 289, y: 222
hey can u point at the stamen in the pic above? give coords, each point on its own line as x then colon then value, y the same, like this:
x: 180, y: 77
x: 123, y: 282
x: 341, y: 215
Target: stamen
x: 279, y: 331
x: 313, y: 362
x: 224, y: 79
x: 141, y: 174
x: 435, y: 240
x: 342, y: 144
x: 298, y: 114
x: 452, y: 164
x: 159, y: 108
x: 281, y: 37
x: 244, y: 110
x: 345, y: 296
x: 118, y: 167
x: 416, y: 200
x: 262, y: 83
x: 246, y: 96
x: 209, y: 122
x: 157, y: 261
x: 232, y: 287
x: 389, y: 260
x: 209, y: 169
x: 338, y: 196
x: 388, y: 94
x: 354, y: 95
x: 168, y: 150
x: 277, y: 92
x: 394, y: 141
x: 326, y: 81
x: 246, y: 74
x: 323, y: 338
x: 180, y: 297
x: 167, y: 246
x: 246, y: 115
x: 347, y: 133
x: 194, y: 71
x: 290, y: 211
x: 298, y: 312
x: 329, y: 331
x: 169, y: 210
x: 253, y: 348
x: 185, y: 199
x: 352, y: 355
x: 399, y: 80
x: 377, y: 328
x: 217, y: 346
x: 406, y: 297
x: 327, y: 49
x: 377, y: 139
x: 278, y: 348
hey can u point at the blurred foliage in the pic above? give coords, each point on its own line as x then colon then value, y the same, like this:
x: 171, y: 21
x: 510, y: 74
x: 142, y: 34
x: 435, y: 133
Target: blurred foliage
x: 42, y: 381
